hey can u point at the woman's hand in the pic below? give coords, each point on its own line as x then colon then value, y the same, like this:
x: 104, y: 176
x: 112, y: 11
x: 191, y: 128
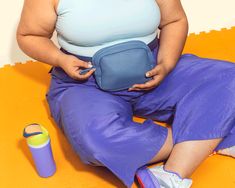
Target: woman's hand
x: 159, y: 72
x: 72, y: 66
x: 174, y: 29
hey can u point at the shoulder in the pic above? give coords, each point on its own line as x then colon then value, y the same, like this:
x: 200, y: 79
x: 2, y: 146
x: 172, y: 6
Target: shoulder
x: 167, y: 2
x: 41, y: 4
x: 38, y: 17
x: 159, y: 2
x: 55, y: 4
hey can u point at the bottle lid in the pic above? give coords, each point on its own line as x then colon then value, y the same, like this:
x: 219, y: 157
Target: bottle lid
x: 38, y: 137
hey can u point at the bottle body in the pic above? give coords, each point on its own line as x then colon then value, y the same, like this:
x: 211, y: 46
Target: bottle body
x: 43, y: 159
x: 39, y: 143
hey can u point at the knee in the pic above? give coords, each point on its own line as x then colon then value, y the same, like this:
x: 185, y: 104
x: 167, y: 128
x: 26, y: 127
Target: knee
x: 99, y: 128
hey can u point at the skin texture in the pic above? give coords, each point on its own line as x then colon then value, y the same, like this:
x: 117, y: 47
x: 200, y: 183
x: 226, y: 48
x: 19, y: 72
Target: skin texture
x: 187, y: 156
x: 37, y: 27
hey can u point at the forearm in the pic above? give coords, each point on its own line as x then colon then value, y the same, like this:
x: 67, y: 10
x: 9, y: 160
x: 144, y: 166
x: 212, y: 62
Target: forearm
x: 172, y: 41
x: 39, y: 48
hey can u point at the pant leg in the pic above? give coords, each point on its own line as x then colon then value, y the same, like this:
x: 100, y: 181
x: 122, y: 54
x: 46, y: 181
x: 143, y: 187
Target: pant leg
x: 197, y: 99
x: 100, y: 128
x: 205, y: 113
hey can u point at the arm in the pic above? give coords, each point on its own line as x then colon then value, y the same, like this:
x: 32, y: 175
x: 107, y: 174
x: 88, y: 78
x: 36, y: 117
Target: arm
x: 174, y: 30
x: 34, y: 32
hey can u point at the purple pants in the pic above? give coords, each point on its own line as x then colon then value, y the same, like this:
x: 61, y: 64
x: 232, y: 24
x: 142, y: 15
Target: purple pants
x: 197, y: 98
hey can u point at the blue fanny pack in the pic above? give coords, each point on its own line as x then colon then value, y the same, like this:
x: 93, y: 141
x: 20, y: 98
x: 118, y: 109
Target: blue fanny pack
x: 122, y: 65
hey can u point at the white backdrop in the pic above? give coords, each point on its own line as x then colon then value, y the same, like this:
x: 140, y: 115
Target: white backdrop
x: 203, y: 15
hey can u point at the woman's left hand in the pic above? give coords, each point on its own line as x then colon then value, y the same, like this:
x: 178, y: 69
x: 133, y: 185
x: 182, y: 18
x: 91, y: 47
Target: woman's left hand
x: 159, y: 72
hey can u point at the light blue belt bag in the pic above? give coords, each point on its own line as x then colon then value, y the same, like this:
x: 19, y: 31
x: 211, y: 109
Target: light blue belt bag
x: 122, y: 65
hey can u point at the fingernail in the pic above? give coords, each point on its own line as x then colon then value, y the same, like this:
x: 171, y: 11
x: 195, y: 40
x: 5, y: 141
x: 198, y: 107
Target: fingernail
x: 89, y: 64
x: 147, y: 74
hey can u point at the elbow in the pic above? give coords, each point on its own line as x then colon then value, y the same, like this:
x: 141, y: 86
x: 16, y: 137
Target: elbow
x: 181, y: 22
x: 19, y: 38
x: 185, y: 23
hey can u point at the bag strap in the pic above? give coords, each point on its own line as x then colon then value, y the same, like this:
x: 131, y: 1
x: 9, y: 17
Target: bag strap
x: 152, y: 45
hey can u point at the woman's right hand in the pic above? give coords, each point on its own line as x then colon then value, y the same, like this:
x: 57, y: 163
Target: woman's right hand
x: 72, y: 66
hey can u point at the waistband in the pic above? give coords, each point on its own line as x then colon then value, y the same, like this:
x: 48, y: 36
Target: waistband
x: 152, y: 45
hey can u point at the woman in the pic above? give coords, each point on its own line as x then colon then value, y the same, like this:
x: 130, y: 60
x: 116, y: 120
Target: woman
x: 192, y: 94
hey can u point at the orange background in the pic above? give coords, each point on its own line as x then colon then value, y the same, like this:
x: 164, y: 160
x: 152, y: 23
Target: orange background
x: 22, y: 101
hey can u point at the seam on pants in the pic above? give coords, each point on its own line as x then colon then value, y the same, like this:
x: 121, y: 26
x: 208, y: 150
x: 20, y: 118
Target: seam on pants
x: 70, y: 137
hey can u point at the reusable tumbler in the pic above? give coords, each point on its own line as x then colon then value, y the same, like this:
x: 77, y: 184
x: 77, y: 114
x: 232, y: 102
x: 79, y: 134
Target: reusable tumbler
x: 39, y: 144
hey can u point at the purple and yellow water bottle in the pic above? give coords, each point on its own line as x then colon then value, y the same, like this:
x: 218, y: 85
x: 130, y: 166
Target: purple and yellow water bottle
x: 39, y: 143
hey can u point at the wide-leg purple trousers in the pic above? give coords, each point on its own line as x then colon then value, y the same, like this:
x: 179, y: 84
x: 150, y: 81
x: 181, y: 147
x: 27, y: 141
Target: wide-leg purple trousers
x: 197, y: 98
